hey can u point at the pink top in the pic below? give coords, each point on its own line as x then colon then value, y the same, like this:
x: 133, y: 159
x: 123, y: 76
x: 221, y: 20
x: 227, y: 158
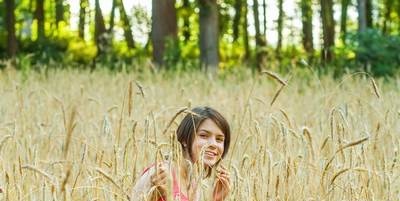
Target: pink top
x: 176, y: 191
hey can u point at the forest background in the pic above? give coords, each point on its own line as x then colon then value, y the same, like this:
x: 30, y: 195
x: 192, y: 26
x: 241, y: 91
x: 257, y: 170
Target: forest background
x: 334, y: 36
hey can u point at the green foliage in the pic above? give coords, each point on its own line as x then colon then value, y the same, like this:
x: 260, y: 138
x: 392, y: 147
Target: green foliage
x: 1, y: 17
x: 172, y: 52
x: 24, y: 65
x: 81, y: 51
x: 231, y: 54
x: 369, y: 51
x: 378, y: 53
x: 2, y: 31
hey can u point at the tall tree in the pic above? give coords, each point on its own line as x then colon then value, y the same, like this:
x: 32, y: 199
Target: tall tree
x: 236, y: 19
x: 82, y: 14
x: 362, y: 15
x: 265, y: 18
x: 368, y: 11
x: 126, y: 25
x: 209, y: 42
x: 112, y: 18
x: 260, y: 41
x: 39, y: 15
x: 386, y: 18
x: 246, y: 32
x: 59, y: 11
x: 343, y: 20
x: 306, y: 11
x: 164, y: 27
x: 256, y: 16
x: 280, y: 26
x: 10, y: 25
x: 186, y: 22
x: 99, y: 29
x: 398, y: 17
x: 328, y: 30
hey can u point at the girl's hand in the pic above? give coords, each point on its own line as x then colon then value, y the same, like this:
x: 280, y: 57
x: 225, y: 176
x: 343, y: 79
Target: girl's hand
x: 222, y: 185
x: 159, y: 180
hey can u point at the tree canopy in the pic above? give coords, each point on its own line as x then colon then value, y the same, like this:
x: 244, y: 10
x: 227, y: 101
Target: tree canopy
x: 205, y: 34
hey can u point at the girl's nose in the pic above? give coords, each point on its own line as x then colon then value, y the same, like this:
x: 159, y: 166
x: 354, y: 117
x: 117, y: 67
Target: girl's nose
x: 212, y: 142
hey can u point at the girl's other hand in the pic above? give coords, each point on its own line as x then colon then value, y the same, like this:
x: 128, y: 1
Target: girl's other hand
x: 222, y: 185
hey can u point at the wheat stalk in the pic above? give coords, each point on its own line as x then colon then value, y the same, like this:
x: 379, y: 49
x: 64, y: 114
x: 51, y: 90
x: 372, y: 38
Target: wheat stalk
x: 275, y: 77
x: 109, y: 178
x: 49, y: 177
x: 351, y: 144
x: 277, y: 94
x: 375, y: 87
x: 69, y: 130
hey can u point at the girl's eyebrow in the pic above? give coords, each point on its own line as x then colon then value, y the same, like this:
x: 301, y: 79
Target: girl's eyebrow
x: 204, y: 130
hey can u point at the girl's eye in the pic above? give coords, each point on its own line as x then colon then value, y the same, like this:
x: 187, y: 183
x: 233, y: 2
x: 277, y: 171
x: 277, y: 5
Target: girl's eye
x: 220, y: 140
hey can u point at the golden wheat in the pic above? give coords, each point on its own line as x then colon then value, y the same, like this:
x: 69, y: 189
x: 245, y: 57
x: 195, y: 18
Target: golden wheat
x: 92, y: 137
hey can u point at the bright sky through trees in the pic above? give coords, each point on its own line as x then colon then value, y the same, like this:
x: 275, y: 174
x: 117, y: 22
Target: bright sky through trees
x: 292, y: 18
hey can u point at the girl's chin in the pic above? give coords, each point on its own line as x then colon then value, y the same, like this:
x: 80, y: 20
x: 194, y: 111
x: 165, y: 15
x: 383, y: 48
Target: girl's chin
x: 209, y: 163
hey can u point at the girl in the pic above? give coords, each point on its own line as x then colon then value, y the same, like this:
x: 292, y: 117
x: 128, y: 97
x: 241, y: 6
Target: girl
x: 204, y: 136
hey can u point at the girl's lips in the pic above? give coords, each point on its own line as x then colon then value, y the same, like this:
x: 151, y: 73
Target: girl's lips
x: 210, y: 153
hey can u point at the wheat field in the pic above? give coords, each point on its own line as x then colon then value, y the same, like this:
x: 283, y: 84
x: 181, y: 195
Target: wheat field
x: 75, y: 135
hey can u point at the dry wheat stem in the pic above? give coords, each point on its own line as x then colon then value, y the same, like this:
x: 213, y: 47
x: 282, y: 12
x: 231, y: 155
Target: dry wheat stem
x: 276, y: 77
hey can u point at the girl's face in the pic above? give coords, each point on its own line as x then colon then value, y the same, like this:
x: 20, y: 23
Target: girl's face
x: 208, y: 142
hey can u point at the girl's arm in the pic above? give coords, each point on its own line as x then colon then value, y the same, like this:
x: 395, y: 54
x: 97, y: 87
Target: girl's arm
x: 142, y: 187
x: 151, y: 186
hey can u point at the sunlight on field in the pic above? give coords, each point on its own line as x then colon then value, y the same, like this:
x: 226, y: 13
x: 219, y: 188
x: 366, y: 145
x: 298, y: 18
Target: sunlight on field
x: 88, y: 136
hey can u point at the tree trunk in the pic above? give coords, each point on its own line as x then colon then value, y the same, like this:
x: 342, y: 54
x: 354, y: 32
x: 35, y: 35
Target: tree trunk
x: 39, y: 13
x: 59, y: 11
x: 10, y: 25
x: 236, y: 19
x: 306, y: 11
x: 209, y: 47
x: 280, y: 27
x: 328, y: 30
x: 398, y: 17
x: 164, y: 26
x: 343, y: 20
x: 256, y: 19
x: 368, y: 11
x: 82, y: 13
x: 246, y: 33
x: 186, y: 22
x: 99, y: 30
x: 127, y: 26
x: 386, y: 19
x: 112, y: 17
x: 362, y: 15
x: 260, y: 41
x: 265, y: 18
